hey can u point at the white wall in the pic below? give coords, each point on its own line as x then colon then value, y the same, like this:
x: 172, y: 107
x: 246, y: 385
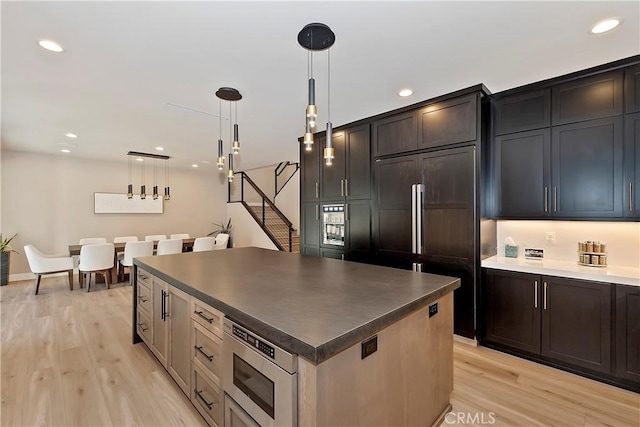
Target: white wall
x: 245, y: 230
x: 288, y: 200
x: 622, y: 238
x: 264, y: 177
x: 49, y: 200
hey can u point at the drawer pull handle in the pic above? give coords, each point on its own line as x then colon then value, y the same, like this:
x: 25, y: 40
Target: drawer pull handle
x: 199, y: 313
x: 198, y: 393
x: 142, y: 328
x: 199, y: 348
x: 143, y: 299
x: 143, y: 277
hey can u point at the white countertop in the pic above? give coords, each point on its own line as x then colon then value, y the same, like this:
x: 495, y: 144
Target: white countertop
x: 609, y: 274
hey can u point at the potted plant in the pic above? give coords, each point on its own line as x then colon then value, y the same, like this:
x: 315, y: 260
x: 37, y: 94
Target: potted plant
x: 222, y: 228
x: 5, y: 251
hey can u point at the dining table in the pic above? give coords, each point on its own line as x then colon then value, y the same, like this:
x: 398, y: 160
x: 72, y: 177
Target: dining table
x: 74, y: 250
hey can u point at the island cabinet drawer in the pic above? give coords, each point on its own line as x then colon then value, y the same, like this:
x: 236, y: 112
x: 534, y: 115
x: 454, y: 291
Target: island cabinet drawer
x: 144, y: 298
x: 207, y: 398
x: 144, y: 277
x: 207, y: 352
x: 207, y: 316
x: 144, y: 327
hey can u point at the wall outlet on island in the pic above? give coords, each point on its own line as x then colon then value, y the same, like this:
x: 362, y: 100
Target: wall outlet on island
x: 550, y: 237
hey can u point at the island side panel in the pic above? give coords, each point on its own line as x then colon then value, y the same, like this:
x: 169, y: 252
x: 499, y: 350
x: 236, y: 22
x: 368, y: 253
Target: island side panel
x: 407, y: 381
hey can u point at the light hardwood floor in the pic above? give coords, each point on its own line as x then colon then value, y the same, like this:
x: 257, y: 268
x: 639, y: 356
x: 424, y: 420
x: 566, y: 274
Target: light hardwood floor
x: 67, y: 359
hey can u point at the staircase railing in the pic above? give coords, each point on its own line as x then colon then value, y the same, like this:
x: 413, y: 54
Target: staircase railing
x: 272, y: 221
x: 282, y: 178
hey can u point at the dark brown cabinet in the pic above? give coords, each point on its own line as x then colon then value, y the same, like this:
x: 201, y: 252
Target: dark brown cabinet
x: 628, y: 333
x: 563, y: 320
x: 631, y: 203
x: 448, y: 122
x: 395, y: 134
x: 522, y: 112
x: 588, y: 98
x: 332, y: 181
x: 632, y: 89
x: 586, y: 169
x: 358, y: 230
x: 310, y: 171
x: 332, y: 253
x: 511, y: 303
x: 522, y: 174
x: 310, y: 226
x: 576, y: 322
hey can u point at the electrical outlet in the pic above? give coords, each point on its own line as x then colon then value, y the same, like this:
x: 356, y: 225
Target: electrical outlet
x: 550, y: 237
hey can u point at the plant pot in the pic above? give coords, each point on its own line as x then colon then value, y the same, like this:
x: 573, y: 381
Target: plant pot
x: 4, y: 268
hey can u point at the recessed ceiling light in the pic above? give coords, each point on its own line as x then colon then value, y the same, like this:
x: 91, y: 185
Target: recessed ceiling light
x: 64, y: 150
x: 51, y: 45
x: 194, y: 165
x: 405, y: 92
x: 139, y: 159
x: 605, y: 25
x: 70, y: 135
x: 160, y: 148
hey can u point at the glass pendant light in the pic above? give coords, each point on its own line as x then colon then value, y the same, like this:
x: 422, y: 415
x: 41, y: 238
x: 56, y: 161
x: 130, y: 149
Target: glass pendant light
x: 220, y: 161
x: 167, y: 189
x: 236, y: 141
x: 230, y: 173
x: 329, y: 152
x: 308, y: 137
x: 143, y: 191
x: 155, y: 179
x: 312, y: 110
x: 130, y: 185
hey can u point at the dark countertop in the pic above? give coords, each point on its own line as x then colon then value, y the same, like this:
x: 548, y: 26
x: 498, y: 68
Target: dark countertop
x: 313, y: 307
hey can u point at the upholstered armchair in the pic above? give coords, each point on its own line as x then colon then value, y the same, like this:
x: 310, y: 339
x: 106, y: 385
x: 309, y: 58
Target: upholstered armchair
x: 42, y: 264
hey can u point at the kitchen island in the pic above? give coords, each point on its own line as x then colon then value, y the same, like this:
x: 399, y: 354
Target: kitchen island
x: 322, y: 310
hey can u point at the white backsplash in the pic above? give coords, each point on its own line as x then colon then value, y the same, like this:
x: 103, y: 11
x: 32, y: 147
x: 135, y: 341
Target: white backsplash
x: 622, y: 239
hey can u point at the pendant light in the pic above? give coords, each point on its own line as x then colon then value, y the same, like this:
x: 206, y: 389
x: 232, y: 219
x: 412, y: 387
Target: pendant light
x: 329, y: 152
x: 220, y: 162
x: 316, y: 37
x: 230, y: 173
x: 155, y: 179
x: 167, y: 188
x: 130, y: 185
x: 232, y: 95
x: 236, y: 141
x: 143, y: 191
x: 143, y: 188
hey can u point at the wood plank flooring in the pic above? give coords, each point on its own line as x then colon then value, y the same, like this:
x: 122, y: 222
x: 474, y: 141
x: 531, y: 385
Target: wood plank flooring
x: 67, y: 360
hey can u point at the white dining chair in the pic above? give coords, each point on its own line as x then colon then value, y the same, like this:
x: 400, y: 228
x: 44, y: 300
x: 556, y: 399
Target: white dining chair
x: 169, y: 246
x: 120, y: 254
x: 155, y: 237
x: 92, y: 240
x: 42, y: 264
x: 202, y: 244
x: 180, y: 236
x: 97, y: 258
x: 222, y: 239
x: 134, y: 250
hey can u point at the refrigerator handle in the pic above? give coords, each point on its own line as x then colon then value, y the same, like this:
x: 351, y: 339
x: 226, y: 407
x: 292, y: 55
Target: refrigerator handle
x: 413, y: 219
x: 419, y: 210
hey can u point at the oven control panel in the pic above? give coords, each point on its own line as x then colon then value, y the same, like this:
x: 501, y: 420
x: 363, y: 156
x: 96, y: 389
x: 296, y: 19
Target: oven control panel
x: 254, y: 342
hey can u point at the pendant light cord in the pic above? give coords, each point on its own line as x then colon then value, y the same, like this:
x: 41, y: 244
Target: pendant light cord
x: 329, y: 84
x: 220, y: 116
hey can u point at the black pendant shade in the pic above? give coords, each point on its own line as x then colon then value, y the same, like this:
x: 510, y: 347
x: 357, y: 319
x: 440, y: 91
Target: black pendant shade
x: 316, y: 36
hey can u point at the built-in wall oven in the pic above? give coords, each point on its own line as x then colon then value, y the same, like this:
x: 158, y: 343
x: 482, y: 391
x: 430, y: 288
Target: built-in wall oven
x: 260, y: 380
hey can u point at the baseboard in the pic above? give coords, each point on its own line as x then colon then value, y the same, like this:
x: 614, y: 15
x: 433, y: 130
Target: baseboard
x: 464, y: 340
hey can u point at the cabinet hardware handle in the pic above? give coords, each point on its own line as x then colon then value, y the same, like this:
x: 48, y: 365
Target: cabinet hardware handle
x: 143, y: 277
x: 317, y: 189
x: 342, y: 257
x: 141, y: 325
x: 199, y: 348
x: 165, y: 295
x: 546, y: 199
x: 198, y: 393
x: 317, y: 213
x: 535, y: 294
x: 143, y: 299
x: 346, y: 187
x: 630, y: 197
x: 342, y: 187
x: 162, y: 304
x: 199, y: 313
x: 545, y: 296
x: 555, y: 199
x: 346, y: 212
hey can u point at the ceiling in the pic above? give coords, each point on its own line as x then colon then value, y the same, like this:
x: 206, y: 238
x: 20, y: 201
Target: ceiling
x: 124, y: 61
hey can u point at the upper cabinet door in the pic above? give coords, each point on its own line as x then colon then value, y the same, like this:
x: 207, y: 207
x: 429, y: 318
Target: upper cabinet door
x: 587, y: 98
x: 587, y: 169
x: 396, y: 134
x: 332, y: 186
x: 632, y: 89
x: 310, y: 170
x: 523, y: 111
x: 522, y: 170
x: 631, y: 205
x: 448, y: 122
x: 358, y: 177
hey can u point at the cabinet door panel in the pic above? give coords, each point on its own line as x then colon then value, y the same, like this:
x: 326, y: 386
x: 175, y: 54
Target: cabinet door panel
x: 311, y: 251
x: 160, y: 337
x: 448, y: 122
x: 522, y: 174
x: 358, y: 184
x: 587, y: 169
x: 631, y: 204
x: 448, y: 209
x: 632, y: 89
x: 512, y: 309
x: 588, y: 98
x: 310, y: 224
x: 179, y: 360
x: 576, y: 322
x: 310, y: 170
x: 333, y: 175
x: 358, y: 222
x: 332, y: 253
x: 396, y: 134
x: 628, y: 332
x: 523, y: 111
